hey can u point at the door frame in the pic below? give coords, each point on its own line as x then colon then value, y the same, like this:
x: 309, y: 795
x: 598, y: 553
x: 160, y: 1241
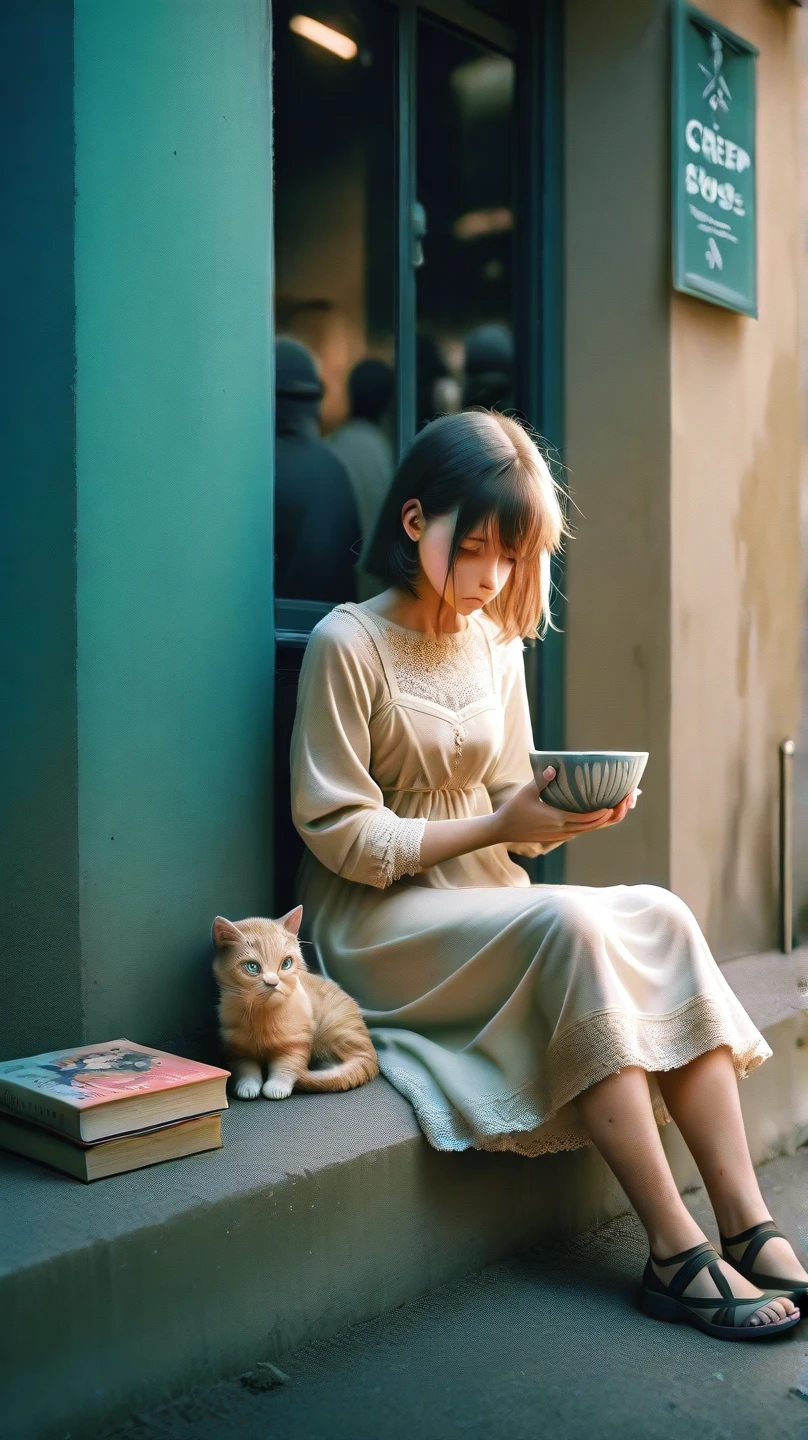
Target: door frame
x: 537, y: 46
x: 539, y: 319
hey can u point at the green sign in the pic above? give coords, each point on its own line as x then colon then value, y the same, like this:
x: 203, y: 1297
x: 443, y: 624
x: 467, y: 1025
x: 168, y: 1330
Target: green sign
x: 714, y: 231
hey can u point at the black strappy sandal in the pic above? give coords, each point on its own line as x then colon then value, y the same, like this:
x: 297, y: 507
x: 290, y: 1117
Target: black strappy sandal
x: 754, y: 1239
x: 667, y: 1302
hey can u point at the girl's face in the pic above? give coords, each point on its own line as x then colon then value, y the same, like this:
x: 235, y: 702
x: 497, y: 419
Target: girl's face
x: 481, y: 569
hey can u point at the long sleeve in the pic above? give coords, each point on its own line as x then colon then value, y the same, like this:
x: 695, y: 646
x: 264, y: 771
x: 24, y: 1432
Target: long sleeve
x: 337, y: 806
x: 512, y: 769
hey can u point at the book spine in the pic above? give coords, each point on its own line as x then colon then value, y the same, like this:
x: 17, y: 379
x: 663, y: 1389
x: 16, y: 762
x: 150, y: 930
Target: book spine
x: 18, y: 1100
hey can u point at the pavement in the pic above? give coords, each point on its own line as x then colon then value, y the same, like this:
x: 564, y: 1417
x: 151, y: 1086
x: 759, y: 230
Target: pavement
x: 547, y: 1344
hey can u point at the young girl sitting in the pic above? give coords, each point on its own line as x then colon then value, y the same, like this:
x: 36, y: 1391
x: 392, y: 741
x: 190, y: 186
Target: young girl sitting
x: 513, y: 1016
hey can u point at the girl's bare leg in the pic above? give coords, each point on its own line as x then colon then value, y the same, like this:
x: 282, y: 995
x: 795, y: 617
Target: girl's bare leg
x: 703, y: 1099
x: 619, y: 1117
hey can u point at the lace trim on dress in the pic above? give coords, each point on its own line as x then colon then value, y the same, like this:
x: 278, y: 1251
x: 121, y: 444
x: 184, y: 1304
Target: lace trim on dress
x: 453, y: 675
x: 396, y: 843
x: 597, y: 1045
x: 601, y: 1044
x: 453, y: 671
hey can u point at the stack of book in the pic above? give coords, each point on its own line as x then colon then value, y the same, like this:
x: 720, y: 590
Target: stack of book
x: 102, y: 1109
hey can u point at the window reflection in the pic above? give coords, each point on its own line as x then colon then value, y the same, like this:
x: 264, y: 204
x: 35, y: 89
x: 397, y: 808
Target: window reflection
x: 335, y: 277
x: 316, y: 519
x: 466, y: 183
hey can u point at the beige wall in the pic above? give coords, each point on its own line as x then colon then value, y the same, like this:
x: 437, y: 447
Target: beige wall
x: 617, y: 400
x: 801, y: 763
x: 684, y: 581
x: 735, y: 538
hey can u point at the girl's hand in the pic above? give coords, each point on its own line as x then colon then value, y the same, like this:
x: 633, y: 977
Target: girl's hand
x: 621, y: 811
x: 526, y: 818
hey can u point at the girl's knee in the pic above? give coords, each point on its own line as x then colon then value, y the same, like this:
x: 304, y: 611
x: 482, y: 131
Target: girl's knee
x: 575, y: 919
x: 669, y: 910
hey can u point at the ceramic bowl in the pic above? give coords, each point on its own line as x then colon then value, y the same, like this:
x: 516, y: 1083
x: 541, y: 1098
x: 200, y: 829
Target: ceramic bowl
x: 588, y: 779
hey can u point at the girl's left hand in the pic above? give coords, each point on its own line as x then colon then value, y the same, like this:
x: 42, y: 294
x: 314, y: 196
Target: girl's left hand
x: 611, y: 817
x: 621, y: 811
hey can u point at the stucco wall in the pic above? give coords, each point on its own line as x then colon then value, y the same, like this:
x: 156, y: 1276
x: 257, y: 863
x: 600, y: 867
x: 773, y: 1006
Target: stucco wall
x: 682, y: 440
x: 137, y: 590
x: 735, y: 570
x: 617, y: 445
x: 40, y: 961
x: 174, y: 515
x: 801, y: 762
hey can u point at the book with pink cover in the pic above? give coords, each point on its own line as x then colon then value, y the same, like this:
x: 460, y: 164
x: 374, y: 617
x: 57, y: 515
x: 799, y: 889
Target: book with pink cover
x: 94, y: 1091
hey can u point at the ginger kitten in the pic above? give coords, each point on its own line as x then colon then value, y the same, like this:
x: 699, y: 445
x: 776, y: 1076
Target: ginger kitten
x: 274, y: 1012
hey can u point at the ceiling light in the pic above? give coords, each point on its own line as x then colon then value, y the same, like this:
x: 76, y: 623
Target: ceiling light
x: 495, y: 221
x: 323, y: 35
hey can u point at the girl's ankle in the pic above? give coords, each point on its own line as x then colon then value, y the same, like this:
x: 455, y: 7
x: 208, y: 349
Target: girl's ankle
x: 736, y: 1218
x: 673, y: 1239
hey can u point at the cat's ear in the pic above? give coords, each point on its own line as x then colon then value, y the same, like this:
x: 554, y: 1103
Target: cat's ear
x: 291, y: 922
x: 224, y: 932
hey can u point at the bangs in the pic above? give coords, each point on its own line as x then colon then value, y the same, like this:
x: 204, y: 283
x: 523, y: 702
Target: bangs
x: 517, y: 503
x: 512, y: 512
x: 487, y: 468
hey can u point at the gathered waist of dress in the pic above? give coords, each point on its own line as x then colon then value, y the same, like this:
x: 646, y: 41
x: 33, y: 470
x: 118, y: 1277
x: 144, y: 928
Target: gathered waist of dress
x: 431, y: 790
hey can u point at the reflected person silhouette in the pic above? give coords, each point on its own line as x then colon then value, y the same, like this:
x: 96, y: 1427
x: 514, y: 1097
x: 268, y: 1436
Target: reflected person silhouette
x: 316, y: 520
x: 489, y: 367
x: 362, y: 443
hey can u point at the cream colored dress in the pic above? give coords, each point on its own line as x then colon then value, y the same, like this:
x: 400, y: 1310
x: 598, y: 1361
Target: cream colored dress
x: 492, y: 1002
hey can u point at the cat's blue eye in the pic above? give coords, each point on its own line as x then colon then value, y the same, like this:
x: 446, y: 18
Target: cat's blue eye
x: 252, y: 967
x: 286, y: 963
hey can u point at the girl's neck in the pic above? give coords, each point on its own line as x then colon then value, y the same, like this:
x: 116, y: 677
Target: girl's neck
x: 428, y: 614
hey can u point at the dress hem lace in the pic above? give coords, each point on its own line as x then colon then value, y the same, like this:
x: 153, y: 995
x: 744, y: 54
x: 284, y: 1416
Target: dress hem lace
x: 599, y: 1044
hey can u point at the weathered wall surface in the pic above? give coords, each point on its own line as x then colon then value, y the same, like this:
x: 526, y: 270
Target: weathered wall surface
x: 682, y: 440
x: 801, y: 762
x: 174, y: 513
x: 40, y: 962
x: 735, y: 553
x: 618, y: 414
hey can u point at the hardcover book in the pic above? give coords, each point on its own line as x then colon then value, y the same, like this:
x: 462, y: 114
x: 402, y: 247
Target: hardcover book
x: 96, y: 1091
x: 111, y: 1157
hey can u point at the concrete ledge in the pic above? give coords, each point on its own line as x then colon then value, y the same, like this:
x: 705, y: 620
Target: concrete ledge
x: 318, y: 1212
x: 771, y: 986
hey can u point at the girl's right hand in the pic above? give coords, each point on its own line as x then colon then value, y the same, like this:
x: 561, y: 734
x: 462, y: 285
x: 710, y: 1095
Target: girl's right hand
x: 525, y: 818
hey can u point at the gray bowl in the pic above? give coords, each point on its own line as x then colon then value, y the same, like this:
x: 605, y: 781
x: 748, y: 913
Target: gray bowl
x: 588, y: 779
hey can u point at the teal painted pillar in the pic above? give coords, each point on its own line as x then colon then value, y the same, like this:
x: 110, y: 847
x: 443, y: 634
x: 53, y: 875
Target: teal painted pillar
x: 40, y: 956
x: 171, y: 661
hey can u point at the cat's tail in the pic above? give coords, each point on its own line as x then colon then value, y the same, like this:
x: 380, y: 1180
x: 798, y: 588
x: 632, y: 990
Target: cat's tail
x: 346, y: 1075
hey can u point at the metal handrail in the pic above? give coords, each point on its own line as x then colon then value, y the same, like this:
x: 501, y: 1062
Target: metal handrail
x: 787, y: 846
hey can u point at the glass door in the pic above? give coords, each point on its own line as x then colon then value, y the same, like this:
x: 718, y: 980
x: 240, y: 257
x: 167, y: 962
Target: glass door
x: 409, y: 177
x: 466, y: 186
x: 335, y: 241
x: 335, y: 234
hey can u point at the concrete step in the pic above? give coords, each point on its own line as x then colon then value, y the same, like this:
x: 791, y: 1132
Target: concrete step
x: 544, y: 1344
x: 319, y: 1212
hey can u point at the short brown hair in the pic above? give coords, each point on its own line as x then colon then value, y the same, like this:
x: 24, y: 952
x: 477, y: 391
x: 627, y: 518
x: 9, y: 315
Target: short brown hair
x: 487, y: 467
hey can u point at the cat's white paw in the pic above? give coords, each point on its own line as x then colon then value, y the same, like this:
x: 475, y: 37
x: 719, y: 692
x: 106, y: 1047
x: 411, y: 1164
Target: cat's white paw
x: 277, y: 1089
x: 248, y: 1087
